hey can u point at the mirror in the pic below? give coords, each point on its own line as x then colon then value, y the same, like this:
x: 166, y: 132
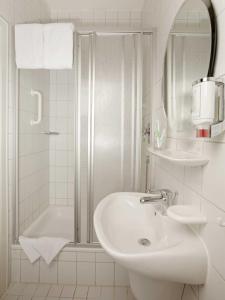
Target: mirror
x: 190, y: 55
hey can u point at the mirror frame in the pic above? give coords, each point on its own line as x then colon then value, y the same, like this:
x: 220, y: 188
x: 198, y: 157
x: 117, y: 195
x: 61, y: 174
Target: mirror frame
x: 214, y: 42
x: 214, y: 36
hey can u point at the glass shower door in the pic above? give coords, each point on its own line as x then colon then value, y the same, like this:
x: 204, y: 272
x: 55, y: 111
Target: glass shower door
x: 108, y: 122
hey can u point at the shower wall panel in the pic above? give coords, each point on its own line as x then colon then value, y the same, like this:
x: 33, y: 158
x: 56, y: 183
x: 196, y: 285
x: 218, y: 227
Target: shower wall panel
x: 146, y: 109
x: 33, y: 148
x: 61, y: 148
x: 108, y: 121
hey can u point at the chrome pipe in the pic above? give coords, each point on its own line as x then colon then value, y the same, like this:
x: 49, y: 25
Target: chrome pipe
x: 91, y: 211
x: 17, y: 219
x: 147, y: 163
x: 77, y: 209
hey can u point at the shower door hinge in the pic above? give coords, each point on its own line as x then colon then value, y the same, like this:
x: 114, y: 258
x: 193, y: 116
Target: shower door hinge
x: 147, y: 133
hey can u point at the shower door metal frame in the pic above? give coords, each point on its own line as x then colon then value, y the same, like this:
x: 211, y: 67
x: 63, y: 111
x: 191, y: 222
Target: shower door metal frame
x: 91, y: 130
x: 91, y: 104
x: 4, y: 145
x: 77, y: 204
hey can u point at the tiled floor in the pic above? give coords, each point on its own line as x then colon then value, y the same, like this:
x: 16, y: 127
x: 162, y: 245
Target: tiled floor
x: 22, y: 291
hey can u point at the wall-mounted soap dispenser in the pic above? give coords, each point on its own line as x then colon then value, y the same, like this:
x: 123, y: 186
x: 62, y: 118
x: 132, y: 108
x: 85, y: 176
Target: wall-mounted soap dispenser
x: 208, y: 107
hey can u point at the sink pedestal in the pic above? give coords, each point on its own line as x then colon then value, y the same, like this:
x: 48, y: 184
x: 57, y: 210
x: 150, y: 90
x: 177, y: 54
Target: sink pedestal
x: 145, y: 288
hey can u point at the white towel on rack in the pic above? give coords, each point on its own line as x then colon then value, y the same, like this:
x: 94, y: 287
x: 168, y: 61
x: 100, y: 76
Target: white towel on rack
x: 46, y: 247
x: 58, y: 46
x: 29, y: 46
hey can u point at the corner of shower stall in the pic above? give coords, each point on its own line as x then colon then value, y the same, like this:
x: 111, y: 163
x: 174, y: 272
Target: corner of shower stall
x: 87, y: 145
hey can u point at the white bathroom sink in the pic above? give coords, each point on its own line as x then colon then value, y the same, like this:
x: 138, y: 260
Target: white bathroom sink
x: 147, y: 243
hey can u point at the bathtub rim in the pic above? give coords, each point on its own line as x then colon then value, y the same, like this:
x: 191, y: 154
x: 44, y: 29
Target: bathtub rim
x: 70, y: 247
x: 73, y: 244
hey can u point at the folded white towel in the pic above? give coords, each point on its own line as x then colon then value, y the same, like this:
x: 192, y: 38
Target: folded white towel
x: 29, y: 46
x: 44, y: 46
x: 49, y: 247
x: 46, y: 247
x: 27, y: 245
x: 58, y: 46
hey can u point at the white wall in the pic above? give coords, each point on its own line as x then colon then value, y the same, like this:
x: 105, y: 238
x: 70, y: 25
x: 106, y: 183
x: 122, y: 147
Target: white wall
x: 201, y: 186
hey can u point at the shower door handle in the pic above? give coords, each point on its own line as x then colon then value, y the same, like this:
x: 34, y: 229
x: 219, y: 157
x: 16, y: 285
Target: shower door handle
x: 50, y: 132
x: 39, y: 99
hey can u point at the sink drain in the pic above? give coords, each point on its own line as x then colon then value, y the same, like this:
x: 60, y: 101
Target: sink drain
x: 144, y: 242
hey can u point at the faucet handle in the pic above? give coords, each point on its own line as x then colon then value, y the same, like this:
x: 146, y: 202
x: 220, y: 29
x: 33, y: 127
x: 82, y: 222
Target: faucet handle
x: 169, y: 196
x: 166, y: 195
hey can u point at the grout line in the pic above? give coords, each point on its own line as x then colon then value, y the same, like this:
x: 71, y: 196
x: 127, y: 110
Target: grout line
x: 219, y: 274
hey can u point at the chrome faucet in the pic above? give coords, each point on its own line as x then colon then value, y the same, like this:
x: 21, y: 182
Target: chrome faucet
x: 162, y: 197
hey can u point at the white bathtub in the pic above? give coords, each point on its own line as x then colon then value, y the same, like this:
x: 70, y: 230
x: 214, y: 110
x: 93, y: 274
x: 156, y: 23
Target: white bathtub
x: 81, y: 266
x: 55, y: 221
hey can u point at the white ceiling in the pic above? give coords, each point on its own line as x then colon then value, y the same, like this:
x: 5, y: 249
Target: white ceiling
x: 95, y: 4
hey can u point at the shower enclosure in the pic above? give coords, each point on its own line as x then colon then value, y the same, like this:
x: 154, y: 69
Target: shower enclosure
x: 88, y: 143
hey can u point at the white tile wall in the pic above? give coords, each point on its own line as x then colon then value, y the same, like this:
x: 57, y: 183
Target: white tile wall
x: 214, y: 288
x: 106, y: 18
x: 66, y: 272
x: 73, y: 266
x: 16, y: 11
x: 61, y: 112
x: 86, y: 273
x: 48, y: 274
x: 29, y: 272
x: 105, y: 274
x: 202, y: 187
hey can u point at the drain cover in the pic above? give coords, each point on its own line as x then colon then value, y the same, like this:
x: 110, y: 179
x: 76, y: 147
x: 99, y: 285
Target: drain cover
x: 144, y: 242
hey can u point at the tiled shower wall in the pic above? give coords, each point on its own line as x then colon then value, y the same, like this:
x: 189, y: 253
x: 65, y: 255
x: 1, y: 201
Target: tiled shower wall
x: 33, y: 147
x: 200, y: 186
x: 61, y: 149
x: 16, y: 11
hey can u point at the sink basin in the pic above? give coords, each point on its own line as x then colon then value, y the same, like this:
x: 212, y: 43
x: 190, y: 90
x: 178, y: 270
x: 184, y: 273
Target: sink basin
x: 148, y: 244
